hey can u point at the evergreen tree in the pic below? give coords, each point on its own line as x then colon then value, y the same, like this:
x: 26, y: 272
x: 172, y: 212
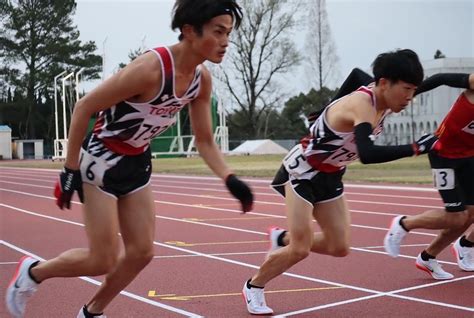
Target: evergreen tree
x: 38, y: 41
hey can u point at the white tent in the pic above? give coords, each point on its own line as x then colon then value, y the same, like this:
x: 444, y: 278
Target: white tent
x: 259, y: 147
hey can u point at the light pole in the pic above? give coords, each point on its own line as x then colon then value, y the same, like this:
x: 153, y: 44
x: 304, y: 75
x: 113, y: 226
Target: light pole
x: 64, y: 79
x: 56, y: 102
x: 77, y: 83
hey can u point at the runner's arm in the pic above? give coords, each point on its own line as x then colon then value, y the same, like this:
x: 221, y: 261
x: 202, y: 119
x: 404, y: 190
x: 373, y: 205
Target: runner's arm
x: 457, y: 80
x: 201, y: 122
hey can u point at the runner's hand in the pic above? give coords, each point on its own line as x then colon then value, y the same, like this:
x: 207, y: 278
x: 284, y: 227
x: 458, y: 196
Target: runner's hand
x: 241, y: 191
x: 68, y: 182
x: 425, y: 144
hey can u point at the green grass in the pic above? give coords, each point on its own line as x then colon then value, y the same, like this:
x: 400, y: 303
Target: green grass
x: 407, y: 170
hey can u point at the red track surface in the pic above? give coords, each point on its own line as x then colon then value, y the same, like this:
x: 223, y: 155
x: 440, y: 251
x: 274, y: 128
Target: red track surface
x: 205, y: 250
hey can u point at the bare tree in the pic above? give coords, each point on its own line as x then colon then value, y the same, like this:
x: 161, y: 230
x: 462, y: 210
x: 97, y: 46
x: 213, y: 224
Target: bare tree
x: 320, y: 49
x: 261, y: 49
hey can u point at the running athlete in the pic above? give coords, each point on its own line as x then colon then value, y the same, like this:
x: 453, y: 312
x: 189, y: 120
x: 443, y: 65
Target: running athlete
x: 453, y: 169
x: 310, y: 178
x: 114, y: 164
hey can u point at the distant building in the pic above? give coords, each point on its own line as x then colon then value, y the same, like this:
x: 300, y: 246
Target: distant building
x: 5, y: 142
x: 427, y: 109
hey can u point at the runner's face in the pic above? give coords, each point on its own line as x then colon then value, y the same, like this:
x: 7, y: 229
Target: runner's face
x: 398, y: 95
x: 213, y: 42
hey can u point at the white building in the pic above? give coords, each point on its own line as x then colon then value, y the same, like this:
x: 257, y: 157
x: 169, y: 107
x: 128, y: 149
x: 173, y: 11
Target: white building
x: 5, y: 142
x: 428, y: 109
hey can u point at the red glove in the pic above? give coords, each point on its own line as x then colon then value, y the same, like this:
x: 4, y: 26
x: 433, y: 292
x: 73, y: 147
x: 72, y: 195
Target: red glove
x: 68, y: 182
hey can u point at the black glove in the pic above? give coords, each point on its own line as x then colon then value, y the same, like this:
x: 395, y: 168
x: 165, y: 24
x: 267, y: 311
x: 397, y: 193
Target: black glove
x: 424, y: 144
x: 68, y: 182
x: 241, y: 191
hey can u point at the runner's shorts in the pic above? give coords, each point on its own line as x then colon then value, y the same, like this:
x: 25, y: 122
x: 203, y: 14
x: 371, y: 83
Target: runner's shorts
x: 454, y: 179
x: 115, y: 174
x: 321, y: 187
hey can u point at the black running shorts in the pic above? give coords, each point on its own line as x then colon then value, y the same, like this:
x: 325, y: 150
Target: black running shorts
x: 115, y: 174
x: 322, y: 187
x: 454, y: 179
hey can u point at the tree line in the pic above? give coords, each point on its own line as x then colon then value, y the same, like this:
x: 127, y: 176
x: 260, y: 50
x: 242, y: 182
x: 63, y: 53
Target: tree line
x: 38, y: 40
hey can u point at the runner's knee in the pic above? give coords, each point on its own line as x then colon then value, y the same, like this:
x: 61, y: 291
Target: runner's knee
x: 103, y: 263
x: 339, y: 249
x: 470, y: 211
x: 456, y: 219
x: 298, y: 253
x: 140, y: 255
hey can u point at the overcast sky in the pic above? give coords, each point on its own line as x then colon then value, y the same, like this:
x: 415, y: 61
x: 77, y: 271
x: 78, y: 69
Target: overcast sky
x: 361, y: 29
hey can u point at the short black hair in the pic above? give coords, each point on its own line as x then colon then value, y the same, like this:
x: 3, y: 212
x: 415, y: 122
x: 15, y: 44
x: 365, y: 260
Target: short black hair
x: 198, y: 12
x: 399, y: 65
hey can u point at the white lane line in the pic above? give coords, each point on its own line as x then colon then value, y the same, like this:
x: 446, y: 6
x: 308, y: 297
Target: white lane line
x: 213, y: 254
x: 377, y: 293
x: 391, y: 294
x: 352, y: 210
x: 223, y: 210
x: 227, y: 197
x: 251, y: 180
x: 96, y: 282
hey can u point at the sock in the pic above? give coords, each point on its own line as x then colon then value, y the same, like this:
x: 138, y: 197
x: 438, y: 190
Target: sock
x: 401, y: 224
x: 88, y: 314
x: 426, y: 257
x: 280, y: 238
x: 252, y: 286
x: 465, y: 243
x: 30, y: 274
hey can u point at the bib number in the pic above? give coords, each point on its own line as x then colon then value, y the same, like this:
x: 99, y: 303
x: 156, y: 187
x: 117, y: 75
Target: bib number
x: 295, y: 161
x: 92, y: 168
x: 443, y: 179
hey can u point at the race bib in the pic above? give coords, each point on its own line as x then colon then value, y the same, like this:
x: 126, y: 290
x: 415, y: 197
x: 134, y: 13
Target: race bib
x: 295, y: 161
x: 92, y: 168
x: 443, y: 179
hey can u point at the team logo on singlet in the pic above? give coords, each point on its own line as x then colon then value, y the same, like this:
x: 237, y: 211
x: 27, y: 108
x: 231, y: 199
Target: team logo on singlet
x: 469, y: 128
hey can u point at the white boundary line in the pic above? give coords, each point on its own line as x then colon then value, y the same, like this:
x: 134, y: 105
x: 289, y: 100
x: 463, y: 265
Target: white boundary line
x: 96, y: 282
x: 266, y: 181
x: 224, y: 210
x: 217, y: 186
x: 375, y: 292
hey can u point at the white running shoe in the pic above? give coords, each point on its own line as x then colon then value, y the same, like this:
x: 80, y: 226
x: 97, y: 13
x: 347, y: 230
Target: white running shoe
x: 21, y: 287
x: 394, y: 237
x: 273, y: 234
x: 464, y: 256
x: 433, y: 268
x: 255, y: 301
x: 82, y: 314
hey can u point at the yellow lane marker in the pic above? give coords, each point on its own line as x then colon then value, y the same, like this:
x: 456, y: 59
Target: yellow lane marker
x: 179, y: 243
x: 152, y: 293
x: 229, y: 219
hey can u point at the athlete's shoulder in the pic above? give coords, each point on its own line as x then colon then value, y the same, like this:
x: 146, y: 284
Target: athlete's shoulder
x: 205, y: 73
x: 357, y: 100
x: 206, y: 81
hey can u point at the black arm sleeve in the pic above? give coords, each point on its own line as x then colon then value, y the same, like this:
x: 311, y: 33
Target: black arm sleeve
x: 458, y: 80
x: 370, y: 153
x: 356, y: 79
